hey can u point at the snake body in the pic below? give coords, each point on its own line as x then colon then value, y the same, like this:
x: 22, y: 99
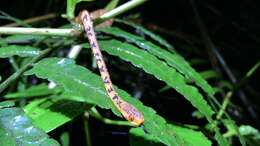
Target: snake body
x: 127, y: 110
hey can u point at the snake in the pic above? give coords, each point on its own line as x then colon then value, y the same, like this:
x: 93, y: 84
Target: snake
x: 129, y: 112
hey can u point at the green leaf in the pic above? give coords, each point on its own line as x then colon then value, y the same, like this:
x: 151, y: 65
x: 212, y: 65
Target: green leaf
x: 159, y: 69
x: 220, y: 139
x: 173, y: 60
x: 88, y: 87
x: 34, y: 91
x: 147, y: 32
x: 4, y: 104
x: 22, y: 38
x: 209, y: 74
x: 16, y: 129
x: 50, y: 113
x: 71, y: 4
x: 137, y: 137
x: 193, y: 138
x: 64, y: 72
x: 111, y: 5
x: 251, y: 134
x: 23, y: 51
x: 65, y: 139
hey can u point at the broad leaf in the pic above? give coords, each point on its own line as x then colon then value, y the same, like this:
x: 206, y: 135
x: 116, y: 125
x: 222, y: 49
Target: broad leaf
x: 88, y: 87
x: 16, y: 129
x: 74, y: 80
x: 23, y: 51
x: 50, y: 113
x: 34, y: 91
x: 174, y: 60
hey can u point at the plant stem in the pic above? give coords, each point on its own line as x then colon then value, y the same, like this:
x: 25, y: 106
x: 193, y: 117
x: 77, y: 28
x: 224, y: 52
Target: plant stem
x: 15, y: 75
x: 71, y: 32
x: 119, y: 10
x: 33, y: 20
x: 39, y: 31
x: 224, y: 105
x: 94, y: 113
x: 86, y: 128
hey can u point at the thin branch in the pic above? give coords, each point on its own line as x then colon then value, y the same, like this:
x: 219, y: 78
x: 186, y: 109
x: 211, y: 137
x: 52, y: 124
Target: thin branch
x: 33, y: 20
x: 39, y: 31
x: 71, y: 32
x: 94, y: 113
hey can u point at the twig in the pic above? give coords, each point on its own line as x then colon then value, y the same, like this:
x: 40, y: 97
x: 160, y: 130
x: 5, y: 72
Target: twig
x: 39, y: 31
x: 15, y: 75
x: 224, y: 105
x: 94, y: 113
x: 71, y: 32
x: 86, y: 128
x: 33, y: 20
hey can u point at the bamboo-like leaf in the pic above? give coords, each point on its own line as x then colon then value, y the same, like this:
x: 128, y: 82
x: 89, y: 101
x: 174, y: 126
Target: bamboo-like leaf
x: 16, y: 129
x: 159, y: 69
x: 88, y: 87
x: 174, y: 60
x: 23, y: 51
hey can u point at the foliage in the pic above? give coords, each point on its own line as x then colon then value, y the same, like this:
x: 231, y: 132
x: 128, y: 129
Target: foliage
x: 56, y: 90
x: 16, y: 129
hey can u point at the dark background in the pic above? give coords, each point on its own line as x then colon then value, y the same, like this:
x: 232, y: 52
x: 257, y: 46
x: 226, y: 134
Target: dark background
x: 233, y: 26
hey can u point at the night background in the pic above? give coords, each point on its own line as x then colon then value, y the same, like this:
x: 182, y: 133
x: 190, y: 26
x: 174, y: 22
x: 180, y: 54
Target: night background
x: 219, y: 39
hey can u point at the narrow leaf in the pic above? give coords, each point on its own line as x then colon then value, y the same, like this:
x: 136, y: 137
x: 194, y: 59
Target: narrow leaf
x: 23, y: 51
x: 34, y: 91
x: 174, y: 60
x: 159, y: 69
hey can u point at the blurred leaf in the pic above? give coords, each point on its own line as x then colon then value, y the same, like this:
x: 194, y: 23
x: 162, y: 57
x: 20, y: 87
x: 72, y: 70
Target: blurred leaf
x: 209, y: 74
x: 50, y: 113
x: 65, y: 139
x: 111, y: 5
x: 221, y: 140
x: 4, y: 104
x: 22, y: 38
x: 34, y: 91
x: 16, y: 129
x: 159, y: 69
x: 23, y: 51
x: 173, y: 60
x: 251, y: 134
x: 71, y: 4
x: 88, y: 87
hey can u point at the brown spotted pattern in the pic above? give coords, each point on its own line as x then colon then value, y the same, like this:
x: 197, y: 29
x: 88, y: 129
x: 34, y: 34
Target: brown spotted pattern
x: 127, y: 110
